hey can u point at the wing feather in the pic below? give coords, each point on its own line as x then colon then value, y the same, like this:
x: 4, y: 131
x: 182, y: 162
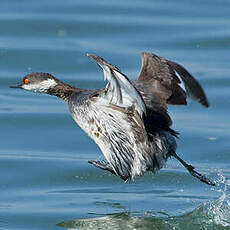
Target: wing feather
x: 161, y: 78
x: 121, y: 118
x: 192, y: 86
x: 119, y: 89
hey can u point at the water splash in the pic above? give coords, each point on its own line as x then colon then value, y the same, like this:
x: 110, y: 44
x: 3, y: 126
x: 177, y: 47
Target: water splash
x: 219, y: 210
x: 213, y: 215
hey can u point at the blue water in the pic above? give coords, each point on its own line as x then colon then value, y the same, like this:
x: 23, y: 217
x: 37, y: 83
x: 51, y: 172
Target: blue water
x: 45, y: 180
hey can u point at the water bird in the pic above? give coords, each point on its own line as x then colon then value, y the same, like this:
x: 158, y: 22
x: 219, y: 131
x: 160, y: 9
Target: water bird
x: 128, y: 120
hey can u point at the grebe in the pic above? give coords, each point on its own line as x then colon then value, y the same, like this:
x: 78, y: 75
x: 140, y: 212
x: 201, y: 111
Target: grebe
x: 128, y: 120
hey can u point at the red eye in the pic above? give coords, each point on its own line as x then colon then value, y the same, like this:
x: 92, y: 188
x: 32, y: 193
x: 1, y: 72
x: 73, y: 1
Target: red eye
x: 26, y: 81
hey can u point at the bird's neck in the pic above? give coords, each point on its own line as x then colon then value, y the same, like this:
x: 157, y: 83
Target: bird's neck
x: 63, y: 91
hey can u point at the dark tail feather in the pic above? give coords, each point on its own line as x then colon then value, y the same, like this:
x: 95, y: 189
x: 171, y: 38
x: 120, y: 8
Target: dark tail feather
x: 191, y: 170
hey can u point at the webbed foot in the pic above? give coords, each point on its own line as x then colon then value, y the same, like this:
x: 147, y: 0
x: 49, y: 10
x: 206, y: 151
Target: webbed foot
x: 102, y: 165
x: 194, y: 173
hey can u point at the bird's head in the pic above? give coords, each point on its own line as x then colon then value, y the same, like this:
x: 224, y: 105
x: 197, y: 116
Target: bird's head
x: 37, y: 82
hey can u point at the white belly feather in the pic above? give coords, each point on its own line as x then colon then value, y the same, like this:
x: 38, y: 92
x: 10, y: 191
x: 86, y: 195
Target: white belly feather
x: 128, y: 154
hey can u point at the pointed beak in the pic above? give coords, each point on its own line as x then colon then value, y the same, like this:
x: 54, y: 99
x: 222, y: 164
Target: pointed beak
x: 16, y: 86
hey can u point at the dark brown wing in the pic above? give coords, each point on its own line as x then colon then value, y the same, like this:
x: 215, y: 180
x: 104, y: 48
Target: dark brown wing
x: 161, y: 77
x: 159, y: 84
x: 192, y: 86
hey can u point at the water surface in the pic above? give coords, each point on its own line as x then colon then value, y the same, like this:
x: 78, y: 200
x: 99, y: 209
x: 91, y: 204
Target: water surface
x: 46, y: 182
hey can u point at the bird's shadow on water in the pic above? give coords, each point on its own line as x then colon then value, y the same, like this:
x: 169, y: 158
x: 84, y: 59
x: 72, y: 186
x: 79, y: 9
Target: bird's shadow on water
x: 210, y: 215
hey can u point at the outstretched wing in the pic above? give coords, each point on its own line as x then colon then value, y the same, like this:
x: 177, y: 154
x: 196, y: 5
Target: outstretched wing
x: 160, y: 83
x: 119, y: 90
x: 119, y: 112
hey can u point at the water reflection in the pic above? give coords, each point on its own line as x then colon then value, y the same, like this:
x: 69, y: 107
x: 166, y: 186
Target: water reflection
x: 212, y: 215
x: 115, y: 221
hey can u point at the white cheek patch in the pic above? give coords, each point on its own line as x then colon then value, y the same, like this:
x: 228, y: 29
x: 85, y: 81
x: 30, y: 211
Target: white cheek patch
x: 41, y: 87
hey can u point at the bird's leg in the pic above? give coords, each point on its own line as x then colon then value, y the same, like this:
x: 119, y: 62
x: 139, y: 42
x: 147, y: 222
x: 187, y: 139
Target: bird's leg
x: 106, y: 166
x: 191, y: 170
x: 103, y: 165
